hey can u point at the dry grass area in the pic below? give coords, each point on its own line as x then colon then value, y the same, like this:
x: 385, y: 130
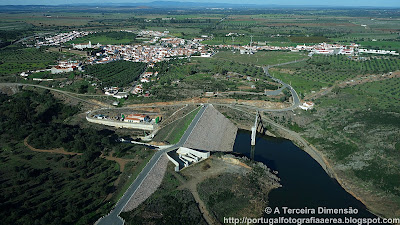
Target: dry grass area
x: 228, y: 174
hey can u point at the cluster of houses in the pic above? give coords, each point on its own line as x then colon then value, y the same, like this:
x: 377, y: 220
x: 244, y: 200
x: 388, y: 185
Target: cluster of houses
x: 146, y: 77
x: 321, y: 48
x: 66, y: 66
x: 379, y: 52
x: 335, y: 49
x: 26, y: 74
x: 151, y: 33
x: 328, y: 49
x: 61, y: 38
x: 61, y: 67
x: 82, y: 46
x: 147, y: 53
x: 161, y: 48
x: 115, y: 92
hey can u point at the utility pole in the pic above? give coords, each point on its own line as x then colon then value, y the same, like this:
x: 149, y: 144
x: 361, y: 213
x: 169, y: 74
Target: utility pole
x: 251, y: 42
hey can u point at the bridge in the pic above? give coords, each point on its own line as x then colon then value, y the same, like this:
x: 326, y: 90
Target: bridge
x: 258, y: 127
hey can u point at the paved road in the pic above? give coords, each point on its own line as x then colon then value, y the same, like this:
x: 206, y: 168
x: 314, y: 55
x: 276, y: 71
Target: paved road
x: 296, y: 99
x: 113, y: 217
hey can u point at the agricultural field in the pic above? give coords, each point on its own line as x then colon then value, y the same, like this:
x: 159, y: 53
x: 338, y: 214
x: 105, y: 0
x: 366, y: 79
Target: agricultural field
x: 365, y: 36
x: 388, y: 87
x: 107, y: 38
x: 182, y: 32
x: 242, y: 40
x: 118, y: 73
x: 387, y: 45
x: 182, y: 79
x: 301, y: 85
x: 355, y: 127
x: 14, y: 61
x: 323, y: 71
x: 261, y: 58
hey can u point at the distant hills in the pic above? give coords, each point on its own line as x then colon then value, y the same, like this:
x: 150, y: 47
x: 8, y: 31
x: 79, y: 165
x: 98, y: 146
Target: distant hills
x: 180, y: 5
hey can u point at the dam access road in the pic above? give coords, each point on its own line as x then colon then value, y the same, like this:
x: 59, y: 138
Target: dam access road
x: 113, y: 217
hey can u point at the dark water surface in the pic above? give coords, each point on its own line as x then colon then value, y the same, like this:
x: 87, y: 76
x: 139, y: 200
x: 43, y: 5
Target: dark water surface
x: 305, y: 183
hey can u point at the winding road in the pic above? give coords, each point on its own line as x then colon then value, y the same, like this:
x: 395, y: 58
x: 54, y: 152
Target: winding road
x: 296, y: 99
x: 113, y: 217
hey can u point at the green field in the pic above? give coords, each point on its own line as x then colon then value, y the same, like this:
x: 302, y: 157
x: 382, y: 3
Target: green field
x: 355, y: 127
x: 322, y: 71
x: 107, y: 38
x: 365, y: 36
x: 301, y: 85
x: 370, y: 111
x: 14, y: 61
x: 260, y: 58
x: 182, y: 32
x: 118, y: 73
x: 182, y: 79
x: 389, y: 87
x: 386, y: 45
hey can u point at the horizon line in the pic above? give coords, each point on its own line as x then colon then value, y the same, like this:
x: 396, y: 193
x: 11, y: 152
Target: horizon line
x: 203, y: 4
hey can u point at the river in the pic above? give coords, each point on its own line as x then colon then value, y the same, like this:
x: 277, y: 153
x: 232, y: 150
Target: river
x: 305, y: 185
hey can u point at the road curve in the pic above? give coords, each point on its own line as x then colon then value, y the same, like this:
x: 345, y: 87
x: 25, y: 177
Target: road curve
x: 113, y: 217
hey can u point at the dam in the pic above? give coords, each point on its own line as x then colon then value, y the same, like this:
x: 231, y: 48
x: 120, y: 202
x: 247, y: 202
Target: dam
x: 213, y: 132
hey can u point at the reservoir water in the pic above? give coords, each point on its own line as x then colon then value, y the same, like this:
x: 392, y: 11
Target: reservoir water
x: 304, y: 183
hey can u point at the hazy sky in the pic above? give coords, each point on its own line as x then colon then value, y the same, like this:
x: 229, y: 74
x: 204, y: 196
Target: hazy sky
x: 379, y: 3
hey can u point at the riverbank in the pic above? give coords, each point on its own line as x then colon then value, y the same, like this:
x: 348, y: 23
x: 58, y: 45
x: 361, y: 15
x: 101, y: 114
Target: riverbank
x: 207, y: 192
x: 375, y: 204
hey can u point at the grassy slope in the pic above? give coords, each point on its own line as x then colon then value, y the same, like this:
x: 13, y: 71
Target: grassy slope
x: 173, y: 132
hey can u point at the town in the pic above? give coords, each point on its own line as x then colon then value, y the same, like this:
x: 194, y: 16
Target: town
x: 184, y: 112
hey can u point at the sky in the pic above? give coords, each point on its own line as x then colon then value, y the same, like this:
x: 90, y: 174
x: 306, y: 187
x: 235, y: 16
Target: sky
x: 373, y: 3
